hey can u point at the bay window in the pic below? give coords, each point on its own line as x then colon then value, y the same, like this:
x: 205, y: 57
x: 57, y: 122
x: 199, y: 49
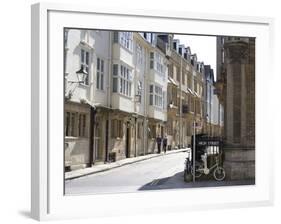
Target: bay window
x: 155, y: 96
x: 125, y: 39
x: 122, y: 80
x: 157, y: 63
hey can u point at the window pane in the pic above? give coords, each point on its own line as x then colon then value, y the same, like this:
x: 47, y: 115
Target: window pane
x: 87, y: 58
x: 115, y: 69
x: 82, y: 56
x: 151, y: 99
x: 80, y: 125
x: 121, y: 84
x: 115, y: 37
x: 151, y: 64
x: 124, y: 86
x: 98, y: 64
x: 115, y: 83
x: 101, y: 82
x: 102, y: 65
x: 67, y: 123
x: 72, y: 124
x: 84, y: 125
x: 98, y: 80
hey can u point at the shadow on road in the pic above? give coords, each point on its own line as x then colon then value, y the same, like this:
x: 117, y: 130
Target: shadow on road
x: 177, y: 182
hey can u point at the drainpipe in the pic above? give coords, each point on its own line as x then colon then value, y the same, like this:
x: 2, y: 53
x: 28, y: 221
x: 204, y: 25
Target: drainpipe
x: 194, y: 143
x: 109, y: 60
x: 135, y: 106
x: 136, y: 136
x: 92, y: 134
x: 145, y: 122
x: 181, y: 134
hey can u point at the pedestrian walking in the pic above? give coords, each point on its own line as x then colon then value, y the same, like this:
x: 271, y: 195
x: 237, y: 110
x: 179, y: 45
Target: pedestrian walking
x: 159, y: 141
x: 165, y: 140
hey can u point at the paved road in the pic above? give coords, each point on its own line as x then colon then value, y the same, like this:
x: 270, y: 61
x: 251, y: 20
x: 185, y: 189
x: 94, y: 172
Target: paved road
x: 164, y: 172
x: 147, y: 174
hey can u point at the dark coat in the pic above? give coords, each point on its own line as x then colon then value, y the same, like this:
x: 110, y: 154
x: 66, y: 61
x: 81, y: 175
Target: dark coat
x: 165, y: 141
x: 158, y: 140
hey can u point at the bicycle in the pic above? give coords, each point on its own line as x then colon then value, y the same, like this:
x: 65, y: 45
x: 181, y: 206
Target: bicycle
x: 202, y: 168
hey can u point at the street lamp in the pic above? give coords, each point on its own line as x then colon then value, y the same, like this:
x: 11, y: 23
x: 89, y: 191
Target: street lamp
x: 81, y: 75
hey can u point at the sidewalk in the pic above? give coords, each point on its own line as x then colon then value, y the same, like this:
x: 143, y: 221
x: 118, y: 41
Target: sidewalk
x: 108, y: 166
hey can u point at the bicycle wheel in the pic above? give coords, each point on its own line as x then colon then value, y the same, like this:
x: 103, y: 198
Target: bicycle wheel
x: 219, y: 173
x: 197, y: 173
x: 187, y: 176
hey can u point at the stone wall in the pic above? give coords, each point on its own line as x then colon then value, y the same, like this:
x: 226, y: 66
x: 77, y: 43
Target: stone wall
x: 239, y: 163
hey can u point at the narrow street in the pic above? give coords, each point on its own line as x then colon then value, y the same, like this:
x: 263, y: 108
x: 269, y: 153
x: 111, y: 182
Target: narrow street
x: 165, y: 171
x: 160, y: 173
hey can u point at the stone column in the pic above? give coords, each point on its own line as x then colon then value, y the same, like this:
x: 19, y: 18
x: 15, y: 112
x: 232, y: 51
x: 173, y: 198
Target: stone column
x: 240, y: 100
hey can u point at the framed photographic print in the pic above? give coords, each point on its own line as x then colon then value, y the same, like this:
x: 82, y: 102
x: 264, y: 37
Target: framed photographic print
x: 148, y: 111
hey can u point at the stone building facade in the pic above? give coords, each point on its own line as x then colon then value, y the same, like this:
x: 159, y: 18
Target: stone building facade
x: 117, y: 111
x: 213, y: 110
x: 236, y: 91
x: 137, y: 86
x: 185, y: 93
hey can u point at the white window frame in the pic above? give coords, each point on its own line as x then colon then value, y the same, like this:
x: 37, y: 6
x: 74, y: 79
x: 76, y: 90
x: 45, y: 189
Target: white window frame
x: 100, y: 73
x: 87, y: 66
x: 156, y: 96
x: 158, y: 63
x: 123, y: 79
x: 126, y: 40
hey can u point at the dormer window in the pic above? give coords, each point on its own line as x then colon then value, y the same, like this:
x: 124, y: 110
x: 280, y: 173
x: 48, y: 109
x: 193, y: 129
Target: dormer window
x: 125, y: 39
x: 157, y: 63
x: 175, y: 45
x: 180, y: 51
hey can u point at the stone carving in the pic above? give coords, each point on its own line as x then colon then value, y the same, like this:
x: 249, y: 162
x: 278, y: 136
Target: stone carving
x: 237, y: 52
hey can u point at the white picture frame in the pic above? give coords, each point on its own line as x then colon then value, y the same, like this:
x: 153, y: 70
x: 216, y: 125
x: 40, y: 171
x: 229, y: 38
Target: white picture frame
x: 48, y: 201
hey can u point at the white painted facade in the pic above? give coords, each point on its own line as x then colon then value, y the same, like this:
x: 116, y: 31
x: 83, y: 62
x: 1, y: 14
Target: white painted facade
x: 96, y: 45
x: 117, y: 84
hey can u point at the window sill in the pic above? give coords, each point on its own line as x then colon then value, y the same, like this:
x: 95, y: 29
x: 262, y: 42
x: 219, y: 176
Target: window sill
x: 126, y: 49
x: 158, y: 73
x: 157, y: 108
x: 101, y: 90
x: 122, y: 95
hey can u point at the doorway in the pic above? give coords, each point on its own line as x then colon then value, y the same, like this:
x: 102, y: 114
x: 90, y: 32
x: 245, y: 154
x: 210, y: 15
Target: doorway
x: 128, y: 141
